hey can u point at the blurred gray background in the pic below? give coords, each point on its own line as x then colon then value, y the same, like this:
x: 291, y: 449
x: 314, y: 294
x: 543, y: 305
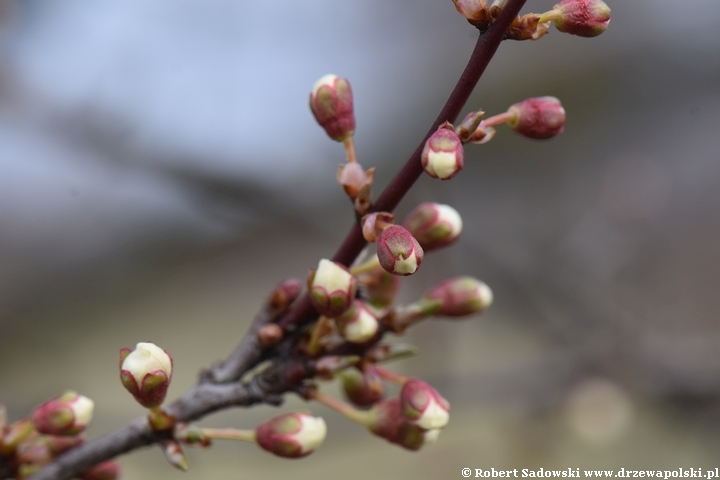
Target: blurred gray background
x: 160, y: 171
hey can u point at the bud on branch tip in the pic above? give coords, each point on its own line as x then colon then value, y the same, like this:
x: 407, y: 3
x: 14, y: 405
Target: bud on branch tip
x: 331, y: 102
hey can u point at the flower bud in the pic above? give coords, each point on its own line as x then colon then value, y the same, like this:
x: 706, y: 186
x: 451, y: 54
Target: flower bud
x: 398, y: 251
x: 331, y: 102
x: 423, y: 406
x: 146, y: 372
x: 434, y: 225
x: 443, y: 154
x: 104, y: 471
x: 388, y: 422
x: 538, y: 118
x: 332, y: 288
x: 460, y: 297
x: 291, y: 435
x: 353, y: 178
x: 585, y: 18
x: 377, y: 286
x: 363, y: 388
x: 475, y: 11
x: 67, y: 414
x: 358, y: 324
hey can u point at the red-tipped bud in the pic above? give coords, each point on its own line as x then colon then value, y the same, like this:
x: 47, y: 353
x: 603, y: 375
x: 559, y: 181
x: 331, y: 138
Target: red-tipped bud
x: 374, y: 223
x: 398, y: 251
x: 358, y: 324
x: 585, y: 18
x: 291, y: 435
x: 104, y: 471
x: 67, y: 414
x: 388, y: 422
x: 58, y: 444
x: 283, y: 296
x: 332, y: 288
x: 538, y: 118
x: 459, y: 297
x: 475, y: 11
x: 331, y: 102
x: 434, y: 225
x: 362, y: 388
x: 443, y: 154
x: 146, y: 372
x: 378, y: 286
x: 423, y: 406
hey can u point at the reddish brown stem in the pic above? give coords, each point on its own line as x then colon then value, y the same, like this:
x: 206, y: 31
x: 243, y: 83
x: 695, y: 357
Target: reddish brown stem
x: 485, y: 49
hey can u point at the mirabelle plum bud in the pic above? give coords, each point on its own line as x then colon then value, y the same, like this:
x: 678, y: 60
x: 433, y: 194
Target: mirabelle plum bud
x: 387, y: 421
x: 291, y: 435
x: 443, y: 154
x: 584, y: 18
x: 332, y: 288
x: 475, y: 11
x: 398, y: 251
x: 358, y: 324
x: 67, y: 414
x: 104, y: 471
x: 331, y: 102
x: 423, y: 406
x: 146, y: 372
x: 538, y: 118
x: 363, y: 388
x: 459, y: 297
x: 434, y: 225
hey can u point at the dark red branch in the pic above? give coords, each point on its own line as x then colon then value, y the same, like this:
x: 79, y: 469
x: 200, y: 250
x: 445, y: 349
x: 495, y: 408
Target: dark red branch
x: 485, y: 49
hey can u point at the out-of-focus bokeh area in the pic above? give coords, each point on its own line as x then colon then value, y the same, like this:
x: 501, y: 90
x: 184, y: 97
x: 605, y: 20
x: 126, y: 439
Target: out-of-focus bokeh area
x: 160, y: 171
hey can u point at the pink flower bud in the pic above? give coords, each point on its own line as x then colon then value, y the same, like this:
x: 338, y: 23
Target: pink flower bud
x: 423, y: 406
x: 146, y: 372
x: 434, y: 225
x: 388, y: 422
x: 331, y: 102
x: 358, y: 324
x: 362, y: 388
x: 377, y: 286
x: 332, y: 288
x: 353, y: 178
x: 460, y: 297
x: 443, y: 154
x: 291, y: 435
x: 104, y: 471
x: 585, y: 18
x: 538, y: 118
x: 67, y: 414
x: 398, y: 251
x: 475, y: 11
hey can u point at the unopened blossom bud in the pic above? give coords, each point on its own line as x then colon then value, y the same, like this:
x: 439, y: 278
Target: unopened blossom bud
x: 332, y: 288
x: 353, y: 178
x: 459, y: 297
x: 331, y: 102
x: 443, y: 154
x: 291, y: 435
x: 363, y: 388
x: 585, y: 18
x: 423, y: 406
x: 146, y: 372
x: 434, y: 225
x: 374, y: 223
x: 475, y: 11
x: 67, y: 414
x: 358, y: 324
x: 377, y: 286
x: 283, y: 296
x: 387, y: 421
x: 538, y: 118
x: 104, y: 471
x: 398, y: 251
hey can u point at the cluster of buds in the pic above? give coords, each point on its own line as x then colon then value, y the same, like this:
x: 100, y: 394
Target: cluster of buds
x: 53, y: 428
x: 584, y: 18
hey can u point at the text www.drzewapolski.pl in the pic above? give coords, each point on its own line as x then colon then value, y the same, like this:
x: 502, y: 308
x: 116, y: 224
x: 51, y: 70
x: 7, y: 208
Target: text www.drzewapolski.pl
x: 707, y: 474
